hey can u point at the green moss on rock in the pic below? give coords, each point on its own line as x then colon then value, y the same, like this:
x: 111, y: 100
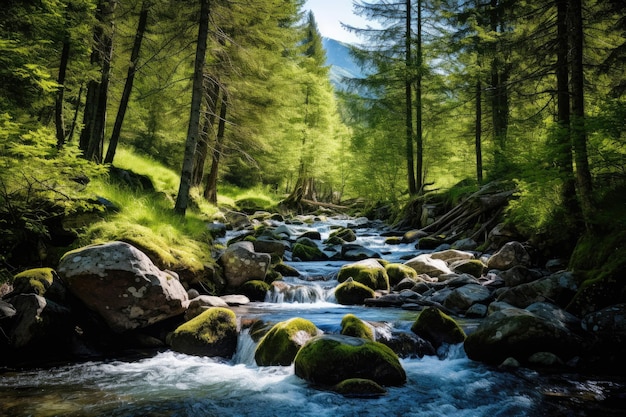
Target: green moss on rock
x: 351, y: 292
x: 212, y: 333
x: 359, y: 388
x: 280, y: 345
x: 353, y: 326
x: 437, y: 327
x: 368, y: 272
x: 308, y: 253
x: 255, y: 290
x: 330, y: 359
x: 33, y: 281
x: 397, y: 272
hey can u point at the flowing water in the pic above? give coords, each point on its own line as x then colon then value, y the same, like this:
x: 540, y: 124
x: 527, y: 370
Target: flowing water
x: 173, y: 384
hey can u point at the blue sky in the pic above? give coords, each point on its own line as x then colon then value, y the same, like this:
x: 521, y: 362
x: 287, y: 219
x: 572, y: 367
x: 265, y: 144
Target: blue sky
x: 328, y: 14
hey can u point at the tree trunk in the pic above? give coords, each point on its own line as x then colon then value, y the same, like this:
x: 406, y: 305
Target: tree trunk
x: 419, y: 165
x: 479, y: 130
x: 70, y: 134
x: 210, y: 192
x: 564, y: 144
x: 182, y: 199
x: 578, y: 130
x: 96, y: 139
x: 212, y: 94
x: 128, y: 86
x: 410, y: 162
x: 499, y: 99
x: 58, y: 108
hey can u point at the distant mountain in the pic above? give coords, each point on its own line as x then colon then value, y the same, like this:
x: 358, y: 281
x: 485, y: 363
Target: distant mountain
x: 341, y: 63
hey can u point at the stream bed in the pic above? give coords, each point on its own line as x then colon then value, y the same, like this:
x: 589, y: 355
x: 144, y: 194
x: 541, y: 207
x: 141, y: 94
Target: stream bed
x: 166, y: 383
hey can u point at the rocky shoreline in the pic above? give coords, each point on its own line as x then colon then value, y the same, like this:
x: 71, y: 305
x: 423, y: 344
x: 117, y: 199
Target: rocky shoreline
x: 110, y: 299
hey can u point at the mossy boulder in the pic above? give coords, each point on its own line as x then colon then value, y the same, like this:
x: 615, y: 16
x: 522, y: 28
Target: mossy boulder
x: 437, y: 327
x: 307, y: 251
x: 40, y: 281
x: 343, y: 233
x: 280, y: 345
x: 351, y: 292
x: 353, y: 326
x: 397, y: 272
x: 330, y: 359
x: 368, y: 272
x: 359, y: 388
x: 212, y: 333
x: 474, y: 267
x: 255, y: 290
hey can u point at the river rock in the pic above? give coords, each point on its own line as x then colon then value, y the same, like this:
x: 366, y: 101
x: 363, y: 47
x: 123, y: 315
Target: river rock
x: 510, y: 255
x: 122, y: 285
x: 241, y: 263
x: 353, y: 252
x: 437, y: 327
x: 462, y: 298
x: 519, y: 333
x: 425, y: 264
x: 558, y: 288
x: 519, y: 275
x: 473, y: 267
x: 280, y: 345
x: 212, y: 333
x: 351, y: 292
x: 398, y: 272
x: 40, y: 281
x: 274, y: 247
x: 201, y: 303
x: 330, y: 359
x: 452, y: 255
x: 359, y: 388
x: 39, y: 323
x: 306, y: 250
x: 368, y: 272
x: 608, y: 323
x: 353, y: 326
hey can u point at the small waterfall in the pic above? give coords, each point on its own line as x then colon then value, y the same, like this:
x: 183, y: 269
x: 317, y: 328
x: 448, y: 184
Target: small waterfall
x: 310, y: 293
x: 245, y: 349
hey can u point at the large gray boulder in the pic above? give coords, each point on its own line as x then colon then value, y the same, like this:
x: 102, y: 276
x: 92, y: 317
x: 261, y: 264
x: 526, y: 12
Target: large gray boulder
x: 558, y: 288
x: 461, y: 299
x: 520, y: 333
x: 122, y: 285
x: 509, y: 255
x: 426, y: 264
x: 241, y: 264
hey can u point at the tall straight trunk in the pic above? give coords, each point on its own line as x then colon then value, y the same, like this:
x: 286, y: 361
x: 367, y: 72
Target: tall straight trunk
x: 96, y: 138
x: 128, y: 85
x: 93, y: 86
x: 210, y: 192
x: 58, y: 108
x: 408, y: 88
x: 578, y: 130
x: 479, y: 132
x: 212, y: 94
x: 70, y: 134
x: 499, y: 99
x: 193, y: 130
x: 419, y: 163
x: 564, y: 143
